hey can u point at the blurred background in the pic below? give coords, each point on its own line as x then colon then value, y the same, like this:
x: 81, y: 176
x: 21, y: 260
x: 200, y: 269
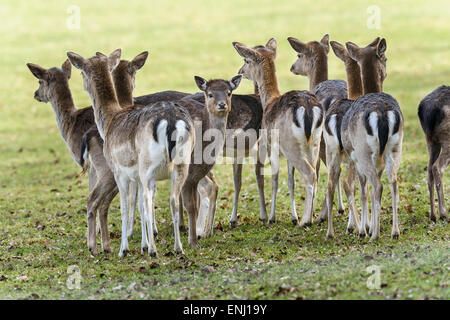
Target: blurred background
x: 39, y: 182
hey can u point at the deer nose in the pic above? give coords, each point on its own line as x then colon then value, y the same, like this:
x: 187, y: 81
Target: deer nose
x: 222, y: 105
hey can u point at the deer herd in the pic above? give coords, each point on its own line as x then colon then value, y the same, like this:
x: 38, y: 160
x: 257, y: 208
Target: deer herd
x: 127, y: 144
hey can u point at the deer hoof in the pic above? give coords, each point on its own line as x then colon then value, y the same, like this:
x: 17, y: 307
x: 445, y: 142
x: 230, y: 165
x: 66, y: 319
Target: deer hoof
x: 341, y: 211
x: 107, y: 250
x: 233, y: 224
x: 294, y: 221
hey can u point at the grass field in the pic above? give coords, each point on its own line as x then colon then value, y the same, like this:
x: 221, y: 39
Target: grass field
x: 42, y: 200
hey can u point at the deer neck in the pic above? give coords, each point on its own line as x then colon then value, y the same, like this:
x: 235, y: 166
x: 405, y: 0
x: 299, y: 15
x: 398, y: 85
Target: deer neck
x: 64, y: 108
x: 267, y: 84
x: 214, y: 121
x: 256, y: 89
x: 370, y: 79
x: 319, y: 72
x: 124, y: 91
x: 104, y: 101
x: 354, y: 82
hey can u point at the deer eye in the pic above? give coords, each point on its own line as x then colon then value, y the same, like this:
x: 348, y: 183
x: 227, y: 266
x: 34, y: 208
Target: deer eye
x: 300, y: 55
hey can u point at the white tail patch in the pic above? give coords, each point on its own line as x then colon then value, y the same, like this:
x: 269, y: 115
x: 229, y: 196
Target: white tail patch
x: 372, y: 140
x: 316, y: 131
x: 332, y: 141
x: 183, y: 146
x: 299, y: 133
x: 158, y: 150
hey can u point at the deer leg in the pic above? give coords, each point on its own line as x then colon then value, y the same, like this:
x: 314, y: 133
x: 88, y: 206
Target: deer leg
x: 291, y: 184
x: 205, y: 220
x: 149, y: 188
x: 349, y: 189
x: 177, y: 180
x: 341, y: 208
x: 377, y: 191
x: 189, y: 193
x: 123, y: 185
x: 181, y: 219
x: 212, y: 207
x: 309, y: 174
x: 334, y: 172
x: 259, y: 167
x: 109, y: 194
x: 433, y: 150
x: 133, y: 198
x: 364, y: 206
x: 92, y: 208
x: 392, y: 176
x: 237, y: 177
x: 143, y: 214
x: 92, y: 174
x: 155, y: 228
x: 438, y: 169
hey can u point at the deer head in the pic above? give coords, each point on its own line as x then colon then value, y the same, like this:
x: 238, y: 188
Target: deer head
x: 371, y: 59
x: 92, y: 69
x: 49, y: 79
x: 309, y: 54
x: 256, y: 59
x: 218, y: 93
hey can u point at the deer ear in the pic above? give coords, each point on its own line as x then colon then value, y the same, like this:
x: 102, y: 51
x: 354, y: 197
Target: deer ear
x: 77, y: 60
x: 138, y: 62
x: 114, y: 59
x: 339, y: 50
x: 381, y: 48
x: 201, y: 83
x: 99, y: 54
x: 246, y: 52
x: 353, y: 51
x: 374, y: 43
x: 67, y: 68
x: 325, y: 42
x: 38, y: 71
x: 297, y: 45
x: 234, y: 82
x: 272, y: 45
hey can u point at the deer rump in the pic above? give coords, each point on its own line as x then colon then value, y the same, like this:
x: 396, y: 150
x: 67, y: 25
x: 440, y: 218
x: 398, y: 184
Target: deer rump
x: 381, y: 115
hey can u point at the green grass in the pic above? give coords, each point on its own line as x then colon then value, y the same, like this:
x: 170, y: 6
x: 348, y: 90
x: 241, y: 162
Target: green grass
x: 42, y: 201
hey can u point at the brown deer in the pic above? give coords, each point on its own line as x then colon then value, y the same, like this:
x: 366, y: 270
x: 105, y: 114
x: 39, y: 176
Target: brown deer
x: 124, y: 83
x: 244, y: 120
x: 312, y: 62
x: 141, y: 144
x: 434, y: 116
x: 296, y: 116
x: 211, y: 121
x: 372, y: 135
x: 73, y: 125
x: 335, y: 154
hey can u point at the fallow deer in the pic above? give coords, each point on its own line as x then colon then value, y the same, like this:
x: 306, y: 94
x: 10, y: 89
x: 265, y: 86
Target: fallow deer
x: 434, y: 116
x: 296, y: 115
x: 313, y: 62
x: 372, y: 135
x: 211, y: 121
x: 141, y: 144
x: 244, y: 120
x: 335, y: 154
